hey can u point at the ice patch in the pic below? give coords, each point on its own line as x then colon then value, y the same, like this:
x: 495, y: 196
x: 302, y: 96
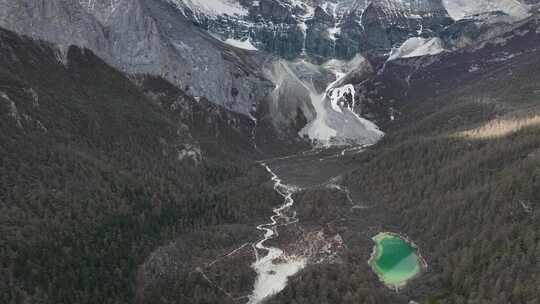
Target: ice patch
x: 332, y: 32
x: 417, y: 47
x: 241, y: 44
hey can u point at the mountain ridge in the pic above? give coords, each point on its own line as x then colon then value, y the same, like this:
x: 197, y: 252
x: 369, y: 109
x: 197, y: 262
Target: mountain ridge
x: 141, y: 37
x: 124, y: 187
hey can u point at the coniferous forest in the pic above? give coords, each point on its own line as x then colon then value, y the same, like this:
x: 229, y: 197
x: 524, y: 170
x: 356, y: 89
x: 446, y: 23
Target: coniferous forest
x: 91, y: 180
x: 126, y: 188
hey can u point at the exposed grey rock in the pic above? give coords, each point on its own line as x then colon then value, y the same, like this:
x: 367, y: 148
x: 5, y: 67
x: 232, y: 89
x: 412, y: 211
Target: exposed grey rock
x: 323, y: 29
x: 473, y: 31
x: 145, y: 37
x: 460, y: 9
x: 290, y: 98
x: 180, y: 41
x: 389, y: 23
x: 60, y: 21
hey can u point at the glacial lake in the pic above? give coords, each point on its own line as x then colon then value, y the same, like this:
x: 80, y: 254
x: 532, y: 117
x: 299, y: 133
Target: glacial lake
x: 395, y: 260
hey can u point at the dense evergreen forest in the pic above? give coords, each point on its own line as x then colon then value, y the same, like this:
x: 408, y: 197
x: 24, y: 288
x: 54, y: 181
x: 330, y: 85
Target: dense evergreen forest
x: 94, y: 176
x: 459, y: 175
x: 118, y: 190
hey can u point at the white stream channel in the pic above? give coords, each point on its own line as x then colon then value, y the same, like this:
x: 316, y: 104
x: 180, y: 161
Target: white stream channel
x: 336, y: 122
x: 274, y: 268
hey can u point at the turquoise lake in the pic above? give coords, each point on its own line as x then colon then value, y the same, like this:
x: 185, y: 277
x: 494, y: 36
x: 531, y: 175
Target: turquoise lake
x: 395, y: 260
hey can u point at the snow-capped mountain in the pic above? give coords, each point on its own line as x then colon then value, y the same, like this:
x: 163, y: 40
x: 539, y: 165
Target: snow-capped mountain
x: 333, y: 28
x: 229, y: 151
x: 319, y: 29
x: 224, y: 49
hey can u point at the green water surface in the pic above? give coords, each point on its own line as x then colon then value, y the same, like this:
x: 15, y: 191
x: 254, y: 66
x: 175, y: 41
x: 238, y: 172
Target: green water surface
x: 395, y: 260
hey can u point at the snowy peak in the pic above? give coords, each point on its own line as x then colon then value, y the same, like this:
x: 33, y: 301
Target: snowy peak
x: 325, y: 29
x: 317, y: 29
x: 460, y: 9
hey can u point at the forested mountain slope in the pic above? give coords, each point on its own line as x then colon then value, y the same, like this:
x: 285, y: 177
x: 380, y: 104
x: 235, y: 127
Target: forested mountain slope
x: 458, y: 172
x: 119, y: 188
x: 97, y: 172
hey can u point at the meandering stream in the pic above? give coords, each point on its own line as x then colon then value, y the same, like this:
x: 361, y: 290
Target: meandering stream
x: 273, y: 265
x: 336, y: 122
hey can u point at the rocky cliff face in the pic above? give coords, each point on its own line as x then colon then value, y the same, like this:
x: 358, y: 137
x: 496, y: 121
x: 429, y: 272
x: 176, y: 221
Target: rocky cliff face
x: 390, y: 23
x: 320, y: 29
x: 144, y: 37
x: 208, y: 48
x: 491, y: 50
x: 460, y: 9
x: 170, y: 37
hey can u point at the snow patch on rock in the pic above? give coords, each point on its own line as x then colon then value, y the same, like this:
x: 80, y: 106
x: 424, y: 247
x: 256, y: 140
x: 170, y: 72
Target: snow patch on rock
x: 213, y: 8
x: 459, y: 9
x: 417, y: 47
x: 241, y: 44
